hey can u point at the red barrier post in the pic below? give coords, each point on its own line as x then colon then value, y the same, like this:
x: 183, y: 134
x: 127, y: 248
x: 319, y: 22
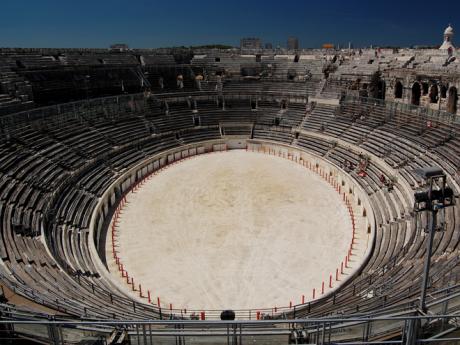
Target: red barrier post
x: 337, y: 274
x: 158, y: 301
x: 330, y: 281
x: 148, y: 296
x: 341, y: 267
x: 203, y: 316
x: 258, y: 315
x: 140, y: 290
x: 322, y: 288
x: 314, y: 293
x: 303, y: 299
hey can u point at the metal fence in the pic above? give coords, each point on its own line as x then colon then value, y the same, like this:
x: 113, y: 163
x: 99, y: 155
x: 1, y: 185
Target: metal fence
x: 373, y: 330
x: 423, y: 113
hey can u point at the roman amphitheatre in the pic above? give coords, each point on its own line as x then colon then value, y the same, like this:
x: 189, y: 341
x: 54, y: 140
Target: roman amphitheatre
x: 234, y: 195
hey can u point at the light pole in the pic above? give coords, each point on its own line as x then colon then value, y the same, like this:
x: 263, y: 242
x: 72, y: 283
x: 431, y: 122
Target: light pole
x: 435, y: 197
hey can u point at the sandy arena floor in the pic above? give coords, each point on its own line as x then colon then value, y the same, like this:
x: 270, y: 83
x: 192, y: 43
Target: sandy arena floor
x: 233, y: 230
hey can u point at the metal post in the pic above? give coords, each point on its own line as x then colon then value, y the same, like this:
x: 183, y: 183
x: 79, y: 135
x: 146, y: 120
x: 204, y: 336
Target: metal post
x: 426, y: 270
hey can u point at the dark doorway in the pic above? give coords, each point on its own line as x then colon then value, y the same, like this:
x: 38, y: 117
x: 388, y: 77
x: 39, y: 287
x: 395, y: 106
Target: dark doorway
x: 443, y: 91
x: 416, y: 94
x: 398, y: 90
x: 425, y: 88
x: 452, y: 100
x: 434, y: 94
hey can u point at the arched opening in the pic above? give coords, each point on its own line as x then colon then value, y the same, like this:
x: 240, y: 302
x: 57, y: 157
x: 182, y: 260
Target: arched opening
x: 443, y: 91
x: 425, y: 88
x: 434, y: 94
x: 452, y: 100
x: 398, y: 90
x: 416, y: 94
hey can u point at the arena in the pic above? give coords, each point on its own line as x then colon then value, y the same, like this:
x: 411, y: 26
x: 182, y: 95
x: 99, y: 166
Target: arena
x: 232, y: 229
x: 229, y: 195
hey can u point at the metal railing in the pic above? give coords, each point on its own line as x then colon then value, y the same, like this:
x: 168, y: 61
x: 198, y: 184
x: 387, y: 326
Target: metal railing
x: 396, y: 329
x: 423, y: 113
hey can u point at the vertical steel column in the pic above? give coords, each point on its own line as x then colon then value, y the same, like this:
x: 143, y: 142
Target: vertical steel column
x: 426, y: 270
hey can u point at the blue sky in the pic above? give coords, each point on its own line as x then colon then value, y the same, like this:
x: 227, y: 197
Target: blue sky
x: 145, y: 24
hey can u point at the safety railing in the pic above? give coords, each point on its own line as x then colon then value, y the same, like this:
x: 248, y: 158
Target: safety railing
x: 423, y: 113
x: 398, y: 329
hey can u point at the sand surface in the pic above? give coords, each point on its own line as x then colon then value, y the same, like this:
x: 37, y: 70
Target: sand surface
x: 233, y: 230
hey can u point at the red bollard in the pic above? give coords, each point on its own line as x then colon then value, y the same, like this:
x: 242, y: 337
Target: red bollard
x: 140, y: 290
x: 132, y: 283
x: 170, y: 306
x: 258, y: 315
x: 290, y: 304
x: 330, y: 281
x: 337, y: 274
x: 148, y: 296
x: 314, y: 293
x: 303, y: 299
x: 158, y: 301
x: 346, y: 261
x: 276, y: 309
x: 322, y: 288
x: 203, y: 315
x: 127, y: 278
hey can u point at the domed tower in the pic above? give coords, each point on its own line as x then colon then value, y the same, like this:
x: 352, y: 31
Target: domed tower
x: 448, y: 36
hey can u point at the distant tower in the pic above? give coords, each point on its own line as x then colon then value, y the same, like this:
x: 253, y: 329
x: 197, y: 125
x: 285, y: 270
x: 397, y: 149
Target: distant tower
x: 293, y: 43
x: 448, y: 36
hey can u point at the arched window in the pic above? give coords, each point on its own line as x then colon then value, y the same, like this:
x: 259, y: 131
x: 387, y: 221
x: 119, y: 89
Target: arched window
x: 416, y: 94
x: 398, y: 90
